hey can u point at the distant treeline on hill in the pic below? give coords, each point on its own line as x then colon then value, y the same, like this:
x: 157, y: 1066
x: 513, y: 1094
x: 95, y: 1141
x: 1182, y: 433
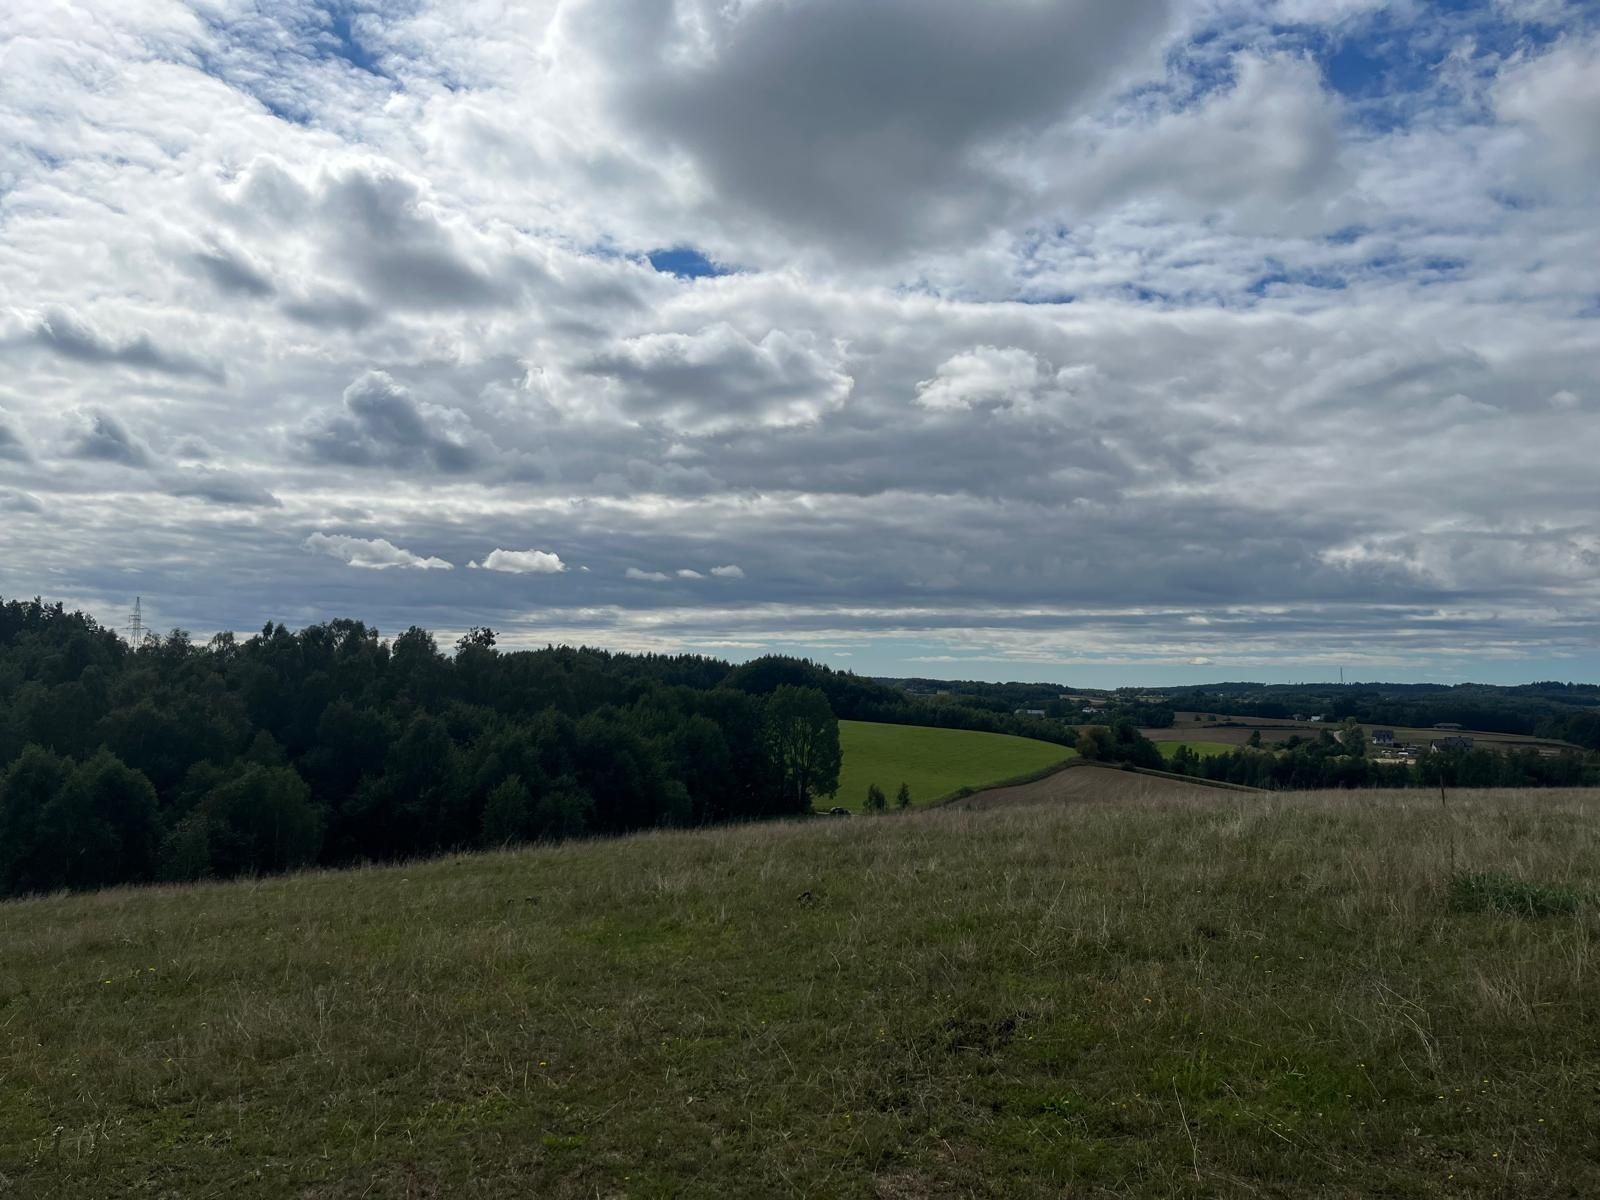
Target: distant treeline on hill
x: 1322, y: 762
x: 1561, y: 711
x: 332, y: 745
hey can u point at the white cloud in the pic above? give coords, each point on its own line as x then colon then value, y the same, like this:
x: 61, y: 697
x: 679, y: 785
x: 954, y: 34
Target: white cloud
x: 1557, y: 97
x: 376, y: 554
x: 687, y: 573
x: 646, y: 576
x: 1010, y: 378
x: 522, y: 562
x: 731, y: 571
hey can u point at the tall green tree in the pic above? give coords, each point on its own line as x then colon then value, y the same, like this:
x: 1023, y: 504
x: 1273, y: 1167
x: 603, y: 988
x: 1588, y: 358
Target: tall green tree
x: 803, y: 735
x: 26, y: 791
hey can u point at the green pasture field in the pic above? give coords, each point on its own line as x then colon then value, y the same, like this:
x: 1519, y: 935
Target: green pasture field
x: 933, y: 762
x: 1143, y: 993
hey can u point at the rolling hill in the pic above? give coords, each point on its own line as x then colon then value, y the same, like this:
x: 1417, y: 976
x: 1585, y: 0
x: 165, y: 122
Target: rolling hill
x: 1144, y: 988
x: 933, y: 762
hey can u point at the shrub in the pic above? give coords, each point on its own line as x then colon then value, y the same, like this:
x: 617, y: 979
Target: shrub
x: 1492, y: 891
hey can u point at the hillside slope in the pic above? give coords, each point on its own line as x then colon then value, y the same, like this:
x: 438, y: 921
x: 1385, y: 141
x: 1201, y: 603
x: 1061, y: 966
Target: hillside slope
x: 1161, y: 994
x: 933, y: 762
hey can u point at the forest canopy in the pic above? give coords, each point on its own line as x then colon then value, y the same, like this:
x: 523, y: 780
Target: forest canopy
x: 330, y: 745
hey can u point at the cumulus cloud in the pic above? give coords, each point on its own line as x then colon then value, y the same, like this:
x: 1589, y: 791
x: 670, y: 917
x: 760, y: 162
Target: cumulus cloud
x: 1556, y: 96
x: 1256, y: 150
x: 380, y: 228
x: 522, y: 562
x: 376, y: 554
x: 646, y: 576
x: 730, y: 571
x: 718, y: 379
x: 688, y: 573
x: 383, y: 426
x: 841, y: 122
x: 988, y: 376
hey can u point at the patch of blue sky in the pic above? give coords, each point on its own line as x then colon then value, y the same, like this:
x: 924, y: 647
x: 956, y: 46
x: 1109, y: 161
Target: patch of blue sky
x: 1385, y: 64
x: 265, y: 51
x: 343, y: 39
x: 686, y: 262
x: 1284, y: 278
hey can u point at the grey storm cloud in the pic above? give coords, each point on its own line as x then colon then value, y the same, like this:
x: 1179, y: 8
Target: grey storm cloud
x: 63, y: 334
x: 377, y: 226
x: 381, y: 425
x: 231, y: 274
x: 718, y: 378
x: 13, y: 500
x: 844, y: 120
x: 331, y: 311
x: 222, y: 487
x: 101, y: 437
x: 11, y: 444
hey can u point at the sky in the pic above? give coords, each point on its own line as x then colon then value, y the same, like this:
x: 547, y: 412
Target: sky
x: 1152, y: 342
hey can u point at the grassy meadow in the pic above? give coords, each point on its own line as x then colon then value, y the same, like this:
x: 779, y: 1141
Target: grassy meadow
x: 1203, y: 749
x: 933, y: 762
x: 1186, y: 993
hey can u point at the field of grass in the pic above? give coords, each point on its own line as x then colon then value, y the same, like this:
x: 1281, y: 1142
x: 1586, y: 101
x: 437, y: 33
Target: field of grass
x: 1175, y: 992
x: 1203, y: 749
x: 934, y: 762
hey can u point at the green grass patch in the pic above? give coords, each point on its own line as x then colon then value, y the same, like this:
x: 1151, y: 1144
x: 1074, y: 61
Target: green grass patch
x: 1203, y: 749
x: 933, y: 762
x: 1492, y: 891
x: 1223, y: 995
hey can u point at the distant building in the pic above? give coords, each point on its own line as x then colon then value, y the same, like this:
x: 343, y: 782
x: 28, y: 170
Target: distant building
x: 1383, y: 737
x: 1446, y: 744
x: 1318, y: 717
x: 1030, y: 712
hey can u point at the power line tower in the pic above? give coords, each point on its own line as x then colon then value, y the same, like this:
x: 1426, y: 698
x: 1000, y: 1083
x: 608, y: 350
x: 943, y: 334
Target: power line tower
x: 136, y: 625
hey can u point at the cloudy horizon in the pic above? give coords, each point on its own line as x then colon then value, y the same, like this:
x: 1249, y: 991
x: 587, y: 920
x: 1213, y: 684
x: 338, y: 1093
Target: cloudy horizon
x: 1166, y: 341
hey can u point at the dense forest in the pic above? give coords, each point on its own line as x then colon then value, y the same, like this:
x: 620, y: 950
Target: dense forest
x: 332, y: 745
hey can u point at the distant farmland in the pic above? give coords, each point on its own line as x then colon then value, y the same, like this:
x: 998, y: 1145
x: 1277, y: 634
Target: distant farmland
x: 933, y: 762
x: 1197, y: 729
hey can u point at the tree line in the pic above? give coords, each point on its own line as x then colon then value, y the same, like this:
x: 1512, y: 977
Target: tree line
x: 1324, y: 762
x: 333, y: 745
x: 1560, y: 711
